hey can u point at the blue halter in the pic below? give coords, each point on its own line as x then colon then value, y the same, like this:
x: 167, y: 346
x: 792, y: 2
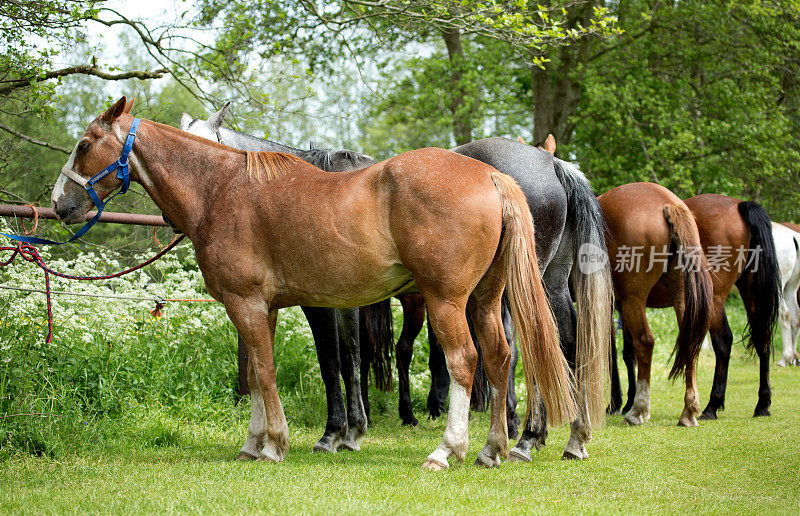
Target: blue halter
x: 120, y: 166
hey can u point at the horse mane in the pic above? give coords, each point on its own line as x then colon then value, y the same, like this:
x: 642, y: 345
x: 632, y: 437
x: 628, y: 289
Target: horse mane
x: 323, y: 158
x: 271, y: 165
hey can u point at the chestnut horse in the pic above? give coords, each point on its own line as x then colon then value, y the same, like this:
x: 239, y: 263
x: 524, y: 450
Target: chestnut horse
x: 270, y: 231
x: 335, y: 331
x: 737, y: 240
x: 654, y: 248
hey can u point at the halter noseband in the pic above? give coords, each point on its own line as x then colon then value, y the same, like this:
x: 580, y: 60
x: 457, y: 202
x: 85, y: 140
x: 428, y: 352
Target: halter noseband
x: 123, y: 173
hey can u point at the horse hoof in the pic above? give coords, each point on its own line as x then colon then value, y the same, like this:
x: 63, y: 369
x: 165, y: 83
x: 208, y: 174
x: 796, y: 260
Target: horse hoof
x: 323, y: 447
x: 761, y: 413
x: 633, y: 420
x: 349, y: 445
x: 687, y: 422
x: 244, y: 456
x: 612, y: 411
x: 781, y: 363
x: 516, y: 455
x: 570, y: 456
x: 269, y: 458
x: 433, y: 465
x: 485, y: 461
x: 708, y: 416
x: 411, y: 421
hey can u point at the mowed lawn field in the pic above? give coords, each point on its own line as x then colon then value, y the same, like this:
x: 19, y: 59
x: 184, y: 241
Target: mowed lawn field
x: 152, y: 460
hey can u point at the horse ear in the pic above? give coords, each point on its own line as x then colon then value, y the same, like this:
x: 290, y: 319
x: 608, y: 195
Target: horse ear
x: 520, y: 140
x: 216, y: 119
x: 550, y: 144
x: 129, y: 106
x: 186, y: 121
x: 114, y: 111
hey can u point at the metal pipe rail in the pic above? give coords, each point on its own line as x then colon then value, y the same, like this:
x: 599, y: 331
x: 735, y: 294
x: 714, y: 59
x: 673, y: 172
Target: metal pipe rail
x: 10, y: 210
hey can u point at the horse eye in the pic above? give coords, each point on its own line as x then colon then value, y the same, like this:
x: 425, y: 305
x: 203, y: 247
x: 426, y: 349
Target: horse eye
x: 83, y: 146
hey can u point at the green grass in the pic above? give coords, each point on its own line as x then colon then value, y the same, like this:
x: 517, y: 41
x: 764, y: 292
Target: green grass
x: 179, y: 457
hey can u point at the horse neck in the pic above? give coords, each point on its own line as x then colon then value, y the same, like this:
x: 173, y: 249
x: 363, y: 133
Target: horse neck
x: 244, y: 141
x: 181, y: 172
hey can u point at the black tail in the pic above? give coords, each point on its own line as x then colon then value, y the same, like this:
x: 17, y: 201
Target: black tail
x: 380, y: 339
x: 761, y: 282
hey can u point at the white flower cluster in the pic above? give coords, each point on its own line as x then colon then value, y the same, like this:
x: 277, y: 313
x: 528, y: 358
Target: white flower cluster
x: 176, y: 275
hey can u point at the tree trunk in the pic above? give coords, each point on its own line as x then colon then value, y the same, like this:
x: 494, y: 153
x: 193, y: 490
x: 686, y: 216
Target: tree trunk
x: 556, y: 88
x: 460, y: 111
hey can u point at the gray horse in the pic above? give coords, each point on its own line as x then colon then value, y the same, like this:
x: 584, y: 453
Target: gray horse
x: 570, y: 246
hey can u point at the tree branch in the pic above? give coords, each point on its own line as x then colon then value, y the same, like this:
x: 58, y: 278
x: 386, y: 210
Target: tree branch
x: 34, y: 140
x: 10, y: 86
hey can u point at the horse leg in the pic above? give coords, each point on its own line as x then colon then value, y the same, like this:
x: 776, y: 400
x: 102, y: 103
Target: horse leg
x: 566, y: 318
x: 534, y: 434
x: 486, y: 314
x: 764, y: 389
x: 635, y: 320
x: 615, y: 403
x: 326, y: 339
x: 268, y: 433
x: 365, y: 351
x: 440, y: 378
x: 629, y: 359
x: 449, y: 322
x: 691, y: 398
x: 788, y: 321
x: 479, y: 398
x: 763, y: 345
x: 350, y: 359
x: 241, y: 352
x: 722, y: 342
x: 413, y: 319
x: 512, y: 419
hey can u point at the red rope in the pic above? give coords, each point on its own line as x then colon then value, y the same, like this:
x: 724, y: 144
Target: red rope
x: 31, y: 254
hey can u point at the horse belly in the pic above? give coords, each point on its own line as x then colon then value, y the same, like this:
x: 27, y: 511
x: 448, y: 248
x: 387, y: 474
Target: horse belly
x: 349, y: 289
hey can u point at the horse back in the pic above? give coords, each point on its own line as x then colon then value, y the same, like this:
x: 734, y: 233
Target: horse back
x: 532, y: 168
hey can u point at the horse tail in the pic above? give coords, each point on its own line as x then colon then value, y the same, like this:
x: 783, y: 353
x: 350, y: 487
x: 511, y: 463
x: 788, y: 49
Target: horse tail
x: 379, y: 336
x: 544, y: 363
x: 763, y: 281
x: 591, y: 287
x: 697, y: 288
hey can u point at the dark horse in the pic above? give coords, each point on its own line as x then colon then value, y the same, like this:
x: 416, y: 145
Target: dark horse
x: 567, y: 216
x: 736, y: 237
x: 269, y: 231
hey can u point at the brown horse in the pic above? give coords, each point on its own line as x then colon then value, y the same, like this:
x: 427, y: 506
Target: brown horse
x: 270, y: 231
x: 736, y: 237
x: 654, y: 248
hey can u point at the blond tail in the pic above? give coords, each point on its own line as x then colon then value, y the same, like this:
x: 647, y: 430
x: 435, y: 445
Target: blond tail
x: 538, y: 336
x: 592, y: 287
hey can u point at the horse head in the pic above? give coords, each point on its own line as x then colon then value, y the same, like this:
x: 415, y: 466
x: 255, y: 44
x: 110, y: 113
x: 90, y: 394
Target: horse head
x: 208, y: 129
x: 100, y: 145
